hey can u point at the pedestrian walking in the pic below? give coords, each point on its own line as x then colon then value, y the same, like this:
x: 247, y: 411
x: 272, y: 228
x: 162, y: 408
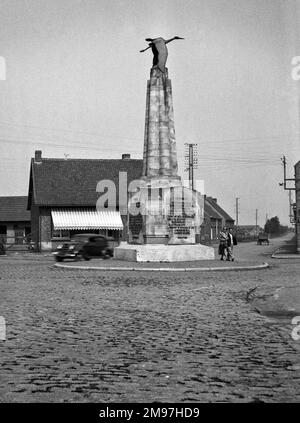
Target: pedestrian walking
x: 231, y: 241
x: 223, y: 243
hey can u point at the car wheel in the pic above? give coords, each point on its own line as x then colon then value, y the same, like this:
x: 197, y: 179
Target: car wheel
x: 86, y: 257
x: 107, y: 254
x: 58, y: 258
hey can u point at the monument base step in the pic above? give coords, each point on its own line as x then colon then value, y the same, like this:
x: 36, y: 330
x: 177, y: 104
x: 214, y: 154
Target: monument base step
x: 163, y: 253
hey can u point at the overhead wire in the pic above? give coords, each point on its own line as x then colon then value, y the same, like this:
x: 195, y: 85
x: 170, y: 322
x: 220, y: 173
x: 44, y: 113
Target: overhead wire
x: 213, y: 154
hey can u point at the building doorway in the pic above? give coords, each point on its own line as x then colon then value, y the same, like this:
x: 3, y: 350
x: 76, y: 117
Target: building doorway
x: 19, y: 235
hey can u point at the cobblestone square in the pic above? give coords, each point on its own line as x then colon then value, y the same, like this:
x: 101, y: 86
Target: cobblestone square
x: 97, y: 336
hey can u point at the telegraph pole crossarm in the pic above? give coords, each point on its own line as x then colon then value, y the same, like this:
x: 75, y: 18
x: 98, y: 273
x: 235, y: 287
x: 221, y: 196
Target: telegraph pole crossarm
x: 285, y: 179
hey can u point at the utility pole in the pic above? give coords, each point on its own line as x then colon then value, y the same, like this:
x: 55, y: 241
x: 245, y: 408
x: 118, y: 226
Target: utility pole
x: 290, y: 206
x: 237, y: 212
x: 256, y: 218
x: 292, y: 218
x: 191, y: 160
x: 191, y: 168
x: 285, y: 179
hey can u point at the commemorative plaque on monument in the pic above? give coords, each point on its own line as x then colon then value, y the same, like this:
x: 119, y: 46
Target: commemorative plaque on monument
x: 164, y: 217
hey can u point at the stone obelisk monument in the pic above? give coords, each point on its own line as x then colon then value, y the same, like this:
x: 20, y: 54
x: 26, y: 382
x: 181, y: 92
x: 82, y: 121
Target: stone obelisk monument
x: 164, y: 217
x: 160, y: 157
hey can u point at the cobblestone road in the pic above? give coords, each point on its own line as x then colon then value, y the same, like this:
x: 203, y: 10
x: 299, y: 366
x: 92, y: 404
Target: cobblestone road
x: 89, y: 336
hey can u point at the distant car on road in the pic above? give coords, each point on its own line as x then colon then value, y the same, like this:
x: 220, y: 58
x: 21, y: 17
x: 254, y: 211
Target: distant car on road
x: 85, y: 246
x: 263, y: 237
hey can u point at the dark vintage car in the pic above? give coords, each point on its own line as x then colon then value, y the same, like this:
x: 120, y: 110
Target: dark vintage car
x: 85, y: 246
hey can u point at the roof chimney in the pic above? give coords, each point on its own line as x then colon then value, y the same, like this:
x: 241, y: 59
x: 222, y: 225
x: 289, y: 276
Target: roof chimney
x: 38, y: 156
x: 125, y: 156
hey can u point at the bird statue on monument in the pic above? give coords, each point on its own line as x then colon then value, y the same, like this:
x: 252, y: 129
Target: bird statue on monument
x: 160, y: 51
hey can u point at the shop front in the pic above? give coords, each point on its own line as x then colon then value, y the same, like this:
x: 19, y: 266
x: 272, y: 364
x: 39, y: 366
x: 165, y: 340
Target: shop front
x: 67, y: 223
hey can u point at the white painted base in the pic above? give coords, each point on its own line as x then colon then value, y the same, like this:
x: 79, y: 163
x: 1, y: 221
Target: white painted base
x: 163, y: 253
x: 46, y: 246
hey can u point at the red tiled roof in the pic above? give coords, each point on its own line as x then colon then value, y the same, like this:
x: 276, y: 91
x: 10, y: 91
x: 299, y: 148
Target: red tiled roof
x: 219, y: 209
x: 73, y: 182
x: 14, y: 209
x: 210, y: 211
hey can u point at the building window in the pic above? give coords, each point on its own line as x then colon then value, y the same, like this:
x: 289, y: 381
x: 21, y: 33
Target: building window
x: 60, y: 233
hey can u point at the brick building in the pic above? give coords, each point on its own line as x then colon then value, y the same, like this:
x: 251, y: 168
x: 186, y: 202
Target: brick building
x: 62, y: 197
x: 215, y: 218
x: 14, y: 220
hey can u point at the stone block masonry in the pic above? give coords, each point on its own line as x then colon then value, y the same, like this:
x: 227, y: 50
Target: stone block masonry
x: 160, y: 157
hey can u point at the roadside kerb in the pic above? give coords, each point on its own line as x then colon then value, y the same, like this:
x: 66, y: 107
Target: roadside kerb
x: 165, y: 269
x: 276, y: 255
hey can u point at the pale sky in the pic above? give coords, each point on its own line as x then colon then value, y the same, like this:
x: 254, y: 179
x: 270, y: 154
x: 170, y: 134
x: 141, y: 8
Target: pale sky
x: 76, y: 84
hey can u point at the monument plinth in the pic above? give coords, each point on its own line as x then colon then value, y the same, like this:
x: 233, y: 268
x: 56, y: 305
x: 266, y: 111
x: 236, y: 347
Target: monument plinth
x: 164, y: 217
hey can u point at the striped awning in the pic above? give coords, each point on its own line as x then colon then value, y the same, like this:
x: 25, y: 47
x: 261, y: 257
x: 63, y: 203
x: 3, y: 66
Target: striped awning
x: 86, y: 219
